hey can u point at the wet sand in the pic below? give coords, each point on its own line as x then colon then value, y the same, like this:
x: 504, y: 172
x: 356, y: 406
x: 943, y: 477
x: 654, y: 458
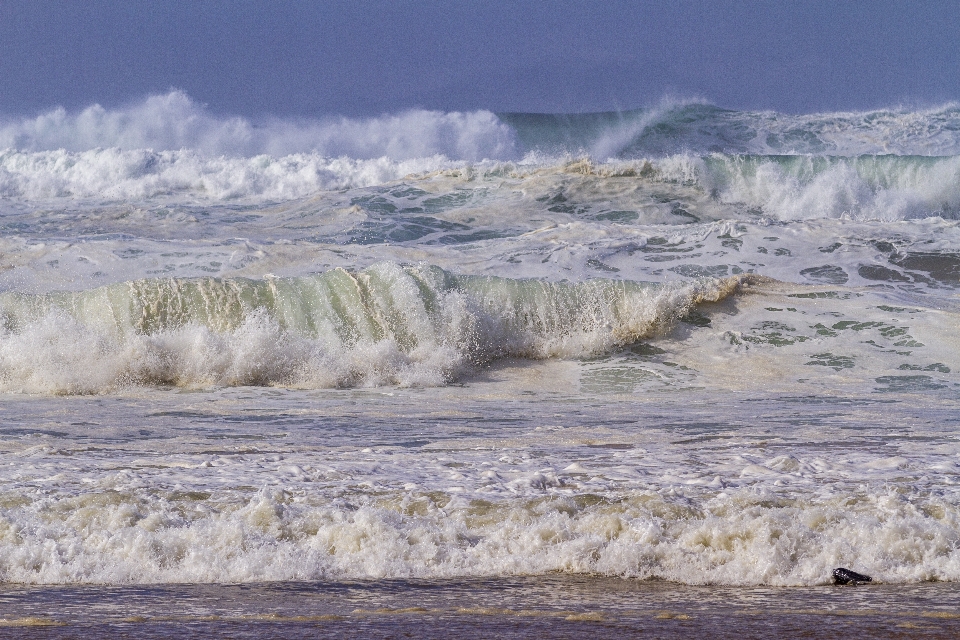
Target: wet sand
x: 557, y: 606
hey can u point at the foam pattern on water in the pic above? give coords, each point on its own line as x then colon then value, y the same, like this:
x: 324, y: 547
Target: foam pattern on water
x: 296, y: 498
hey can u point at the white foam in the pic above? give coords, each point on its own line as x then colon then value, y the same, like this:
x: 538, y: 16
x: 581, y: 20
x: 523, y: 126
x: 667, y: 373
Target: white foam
x: 884, y: 189
x: 113, y: 174
x: 173, y: 122
x: 868, y: 188
x: 741, y: 537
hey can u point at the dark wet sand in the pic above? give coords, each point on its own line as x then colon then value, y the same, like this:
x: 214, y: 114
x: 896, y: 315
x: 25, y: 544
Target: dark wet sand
x: 547, y: 607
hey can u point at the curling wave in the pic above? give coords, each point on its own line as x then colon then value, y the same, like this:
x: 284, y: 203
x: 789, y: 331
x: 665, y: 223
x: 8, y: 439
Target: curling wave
x: 384, y: 325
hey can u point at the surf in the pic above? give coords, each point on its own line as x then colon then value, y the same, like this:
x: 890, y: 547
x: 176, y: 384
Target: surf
x: 388, y: 324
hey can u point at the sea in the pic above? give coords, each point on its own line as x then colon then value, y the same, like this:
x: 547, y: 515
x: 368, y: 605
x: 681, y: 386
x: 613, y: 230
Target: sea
x: 650, y: 372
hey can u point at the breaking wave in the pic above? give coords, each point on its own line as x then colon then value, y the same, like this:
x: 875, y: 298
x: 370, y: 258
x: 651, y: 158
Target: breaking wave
x: 809, y: 187
x: 384, y: 325
x: 740, y: 538
x: 116, y: 174
x: 174, y: 121
x: 882, y: 165
x: 700, y: 128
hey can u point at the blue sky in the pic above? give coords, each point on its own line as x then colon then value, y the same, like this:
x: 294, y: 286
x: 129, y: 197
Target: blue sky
x: 357, y: 58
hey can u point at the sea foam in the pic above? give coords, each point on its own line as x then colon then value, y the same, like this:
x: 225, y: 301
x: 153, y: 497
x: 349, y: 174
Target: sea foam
x: 739, y: 538
x: 113, y: 174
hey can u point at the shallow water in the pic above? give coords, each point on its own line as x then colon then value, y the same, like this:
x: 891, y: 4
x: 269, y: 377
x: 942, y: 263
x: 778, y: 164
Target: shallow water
x: 553, y: 606
x: 502, y: 475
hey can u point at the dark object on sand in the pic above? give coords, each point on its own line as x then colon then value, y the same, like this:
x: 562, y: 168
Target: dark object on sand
x: 845, y: 576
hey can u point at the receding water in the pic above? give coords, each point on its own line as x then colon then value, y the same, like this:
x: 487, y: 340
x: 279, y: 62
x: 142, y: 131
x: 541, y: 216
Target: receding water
x: 548, y: 606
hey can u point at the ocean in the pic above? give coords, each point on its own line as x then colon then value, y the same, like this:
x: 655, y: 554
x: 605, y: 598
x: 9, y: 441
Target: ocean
x: 486, y: 363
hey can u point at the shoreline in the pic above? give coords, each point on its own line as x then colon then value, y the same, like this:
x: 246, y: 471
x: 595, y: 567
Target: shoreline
x: 555, y: 605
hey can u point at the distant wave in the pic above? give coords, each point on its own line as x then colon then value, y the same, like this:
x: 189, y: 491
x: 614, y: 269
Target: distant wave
x: 700, y: 128
x: 869, y: 187
x: 785, y: 187
x: 174, y: 121
x: 888, y: 164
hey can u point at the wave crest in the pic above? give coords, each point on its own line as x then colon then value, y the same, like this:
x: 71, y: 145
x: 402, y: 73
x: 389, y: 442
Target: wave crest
x: 385, y: 325
x: 174, y: 121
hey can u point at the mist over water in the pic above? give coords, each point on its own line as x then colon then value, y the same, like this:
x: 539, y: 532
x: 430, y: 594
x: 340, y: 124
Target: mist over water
x: 681, y: 342
x: 174, y: 121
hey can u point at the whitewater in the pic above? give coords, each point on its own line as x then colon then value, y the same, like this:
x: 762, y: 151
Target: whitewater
x: 682, y: 343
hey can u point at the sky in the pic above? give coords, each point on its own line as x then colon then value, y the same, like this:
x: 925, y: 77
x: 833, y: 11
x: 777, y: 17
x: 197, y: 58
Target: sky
x: 361, y: 58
